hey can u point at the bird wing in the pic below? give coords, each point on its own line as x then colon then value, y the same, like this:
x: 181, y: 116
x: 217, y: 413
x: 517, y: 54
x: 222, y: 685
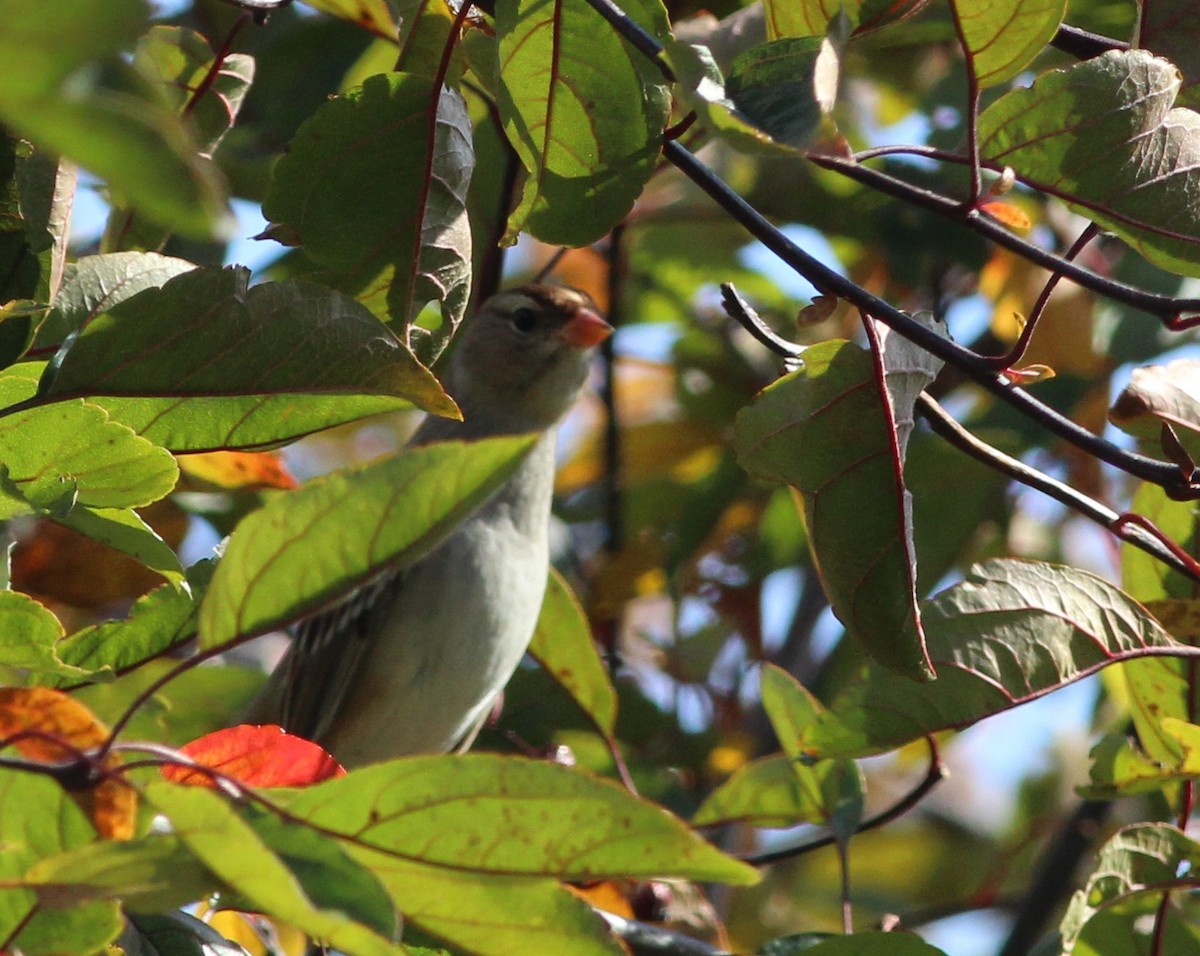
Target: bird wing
x: 326, y: 654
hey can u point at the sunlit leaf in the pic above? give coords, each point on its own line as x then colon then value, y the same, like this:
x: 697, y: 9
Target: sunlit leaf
x: 826, y: 430
x: 261, y: 364
x: 373, y: 15
x: 508, y: 815
x: 309, y: 547
x: 411, y: 242
x: 160, y: 619
x: 256, y: 757
x: 584, y: 112
x: 1120, y: 768
x: 1103, y: 136
x: 702, y: 87
x: 70, y: 453
x: 192, y: 703
x: 781, y: 791
x: 490, y: 914
x: 1134, y: 867
x: 155, y: 872
x: 1002, y: 38
x: 29, y: 636
x: 1162, y: 393
x: 94, y: 284
x: 562, y: 643
x: 240, y: 856
x: 125, y: 531
x: 1011, y: 632
x: 39, y: 821
x: 789, y: 87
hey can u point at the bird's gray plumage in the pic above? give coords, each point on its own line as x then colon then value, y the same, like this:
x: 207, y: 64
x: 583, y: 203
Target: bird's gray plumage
x: 411, y: 662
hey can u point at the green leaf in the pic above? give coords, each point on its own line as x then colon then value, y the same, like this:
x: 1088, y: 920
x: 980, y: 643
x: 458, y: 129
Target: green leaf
x: 1119, y: 768
x: 66, y: 88
x: 39, y: 821
x: 70, y: 453
x: 806, y: 18
x: 1001, y: 39
x: 583, y: 111
x: 329, y: 877
x: 1145, y: 577
x: 233, y: 850
x: 781, y: 791
x: 35, y: 199
x: 373, y: 15
x: 192, y: 704
x: 375, y: 158
x: 94, y: 284
x: 1134, y: 867
x: 1158, y: 30
x: 1102, y: 135
x: 826, y: 430
x: 1161, y: 687
x: 789, y: 87
x: 173, y: 934
x: 1011, y: 632
x: 29, y: 636
x: 206, y: 95
x: 159, y: 620
x: 309, y: 547
x: 508, y: 815
x: 562, y: 643
x: 701, y: 88
x: 155, y: 872
x: 206, y: 362
x: 491, y: 914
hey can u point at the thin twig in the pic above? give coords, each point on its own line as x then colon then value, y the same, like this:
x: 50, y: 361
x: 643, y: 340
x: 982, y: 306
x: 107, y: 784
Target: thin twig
x: 969, y: 363
x: 1017, y: 352
x: 1164, y: 307
x: 1139, y: 533
x: 741, y: 312
x: 1084, y: 45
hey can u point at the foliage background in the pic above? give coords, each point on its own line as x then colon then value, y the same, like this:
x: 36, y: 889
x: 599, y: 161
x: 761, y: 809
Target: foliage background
x: 690, y: 558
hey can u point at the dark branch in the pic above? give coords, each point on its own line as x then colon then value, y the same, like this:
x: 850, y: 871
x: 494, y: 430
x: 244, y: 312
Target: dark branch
x: 1120, y: 525
x: 1084, y: 45
x: 1161, y: 306
x: 970, y: 364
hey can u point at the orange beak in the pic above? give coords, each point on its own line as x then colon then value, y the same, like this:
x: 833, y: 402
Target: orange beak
x: 585, y: 329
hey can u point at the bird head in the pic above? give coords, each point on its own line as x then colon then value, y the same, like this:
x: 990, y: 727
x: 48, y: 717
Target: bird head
x: 525, y: 355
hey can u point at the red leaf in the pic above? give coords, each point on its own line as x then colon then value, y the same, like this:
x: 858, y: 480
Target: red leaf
x: 257, y: 756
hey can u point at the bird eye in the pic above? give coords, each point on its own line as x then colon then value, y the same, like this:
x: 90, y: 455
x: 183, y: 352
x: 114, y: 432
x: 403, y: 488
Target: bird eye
x: 524, y: 319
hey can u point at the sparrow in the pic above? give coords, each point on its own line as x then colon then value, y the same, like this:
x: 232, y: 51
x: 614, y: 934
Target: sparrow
x: 413, y: 662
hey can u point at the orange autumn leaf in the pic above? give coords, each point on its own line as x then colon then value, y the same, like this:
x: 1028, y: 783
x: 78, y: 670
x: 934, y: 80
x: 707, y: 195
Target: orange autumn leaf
x: 62, y: 566
x: 1007, y: 215
x: 237, y: 470
x: 607, y: 895
x: 50, y: 727
x: 257, y: 756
